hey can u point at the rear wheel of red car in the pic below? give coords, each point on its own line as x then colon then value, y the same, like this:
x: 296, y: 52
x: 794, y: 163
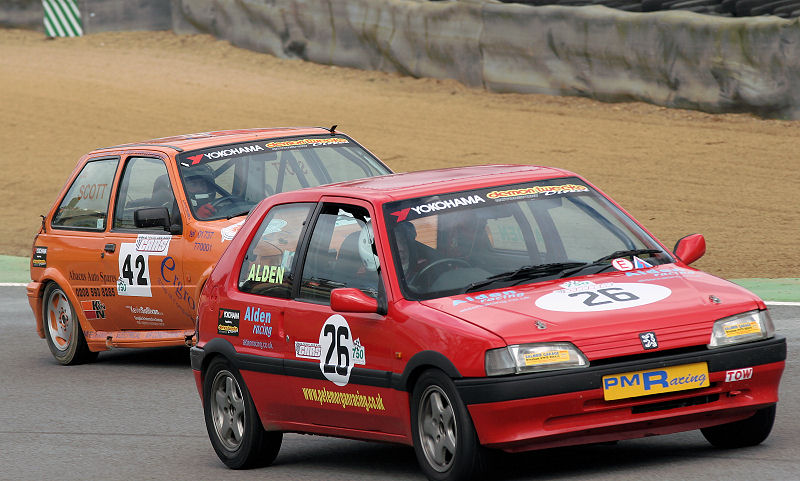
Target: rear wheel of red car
x: 445, y: 441
x: 232, y: 422
x: 62, y: 329
x: 744, y: 433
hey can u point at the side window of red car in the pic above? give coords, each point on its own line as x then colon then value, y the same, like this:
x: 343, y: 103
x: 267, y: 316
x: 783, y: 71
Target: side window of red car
x: 85, y: 206
x: 267, y: 266
x: 339, y: 254
x: 145, y: 184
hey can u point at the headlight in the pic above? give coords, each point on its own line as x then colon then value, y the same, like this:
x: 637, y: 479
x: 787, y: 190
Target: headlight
x: 746, y: 327
x: 522, y: 358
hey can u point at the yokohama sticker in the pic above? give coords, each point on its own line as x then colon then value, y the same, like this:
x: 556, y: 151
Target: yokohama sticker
x: 590, y: 297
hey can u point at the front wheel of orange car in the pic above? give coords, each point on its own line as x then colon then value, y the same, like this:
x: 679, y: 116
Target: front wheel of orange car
x: 232, y: 422
x: 62, y: 330
x: 744, y: 433
x: 445, y: 440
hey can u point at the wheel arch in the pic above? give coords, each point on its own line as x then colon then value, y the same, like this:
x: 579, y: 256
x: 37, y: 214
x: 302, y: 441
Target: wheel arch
x: 54, y: 277
x: 422, y: 361
x: 217, y: 348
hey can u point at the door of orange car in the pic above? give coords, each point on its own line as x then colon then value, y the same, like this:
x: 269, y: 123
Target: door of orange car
x: 343, y: 357
x: 78, y: 237
x: 146, y: 261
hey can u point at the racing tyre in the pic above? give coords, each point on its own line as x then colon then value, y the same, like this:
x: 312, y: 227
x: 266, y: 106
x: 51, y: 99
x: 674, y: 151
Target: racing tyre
x: 744, y: 433
x: 232, y: 422
x: 445, y: 441
x: 62, y: 330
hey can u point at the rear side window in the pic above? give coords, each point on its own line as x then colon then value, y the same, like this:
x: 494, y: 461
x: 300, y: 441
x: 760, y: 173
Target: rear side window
x: 85, y: 206
x: 267, y: 267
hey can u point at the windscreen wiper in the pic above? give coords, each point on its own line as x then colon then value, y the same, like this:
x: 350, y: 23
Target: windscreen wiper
x: 523, y: 273
x: 613, y: 255
x: 237, y: 215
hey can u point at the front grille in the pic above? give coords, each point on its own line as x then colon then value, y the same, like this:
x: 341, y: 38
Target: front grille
x: 675, y: 403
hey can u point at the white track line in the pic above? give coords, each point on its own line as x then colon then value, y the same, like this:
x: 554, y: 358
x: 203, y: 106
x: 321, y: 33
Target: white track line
x: 13, y: 284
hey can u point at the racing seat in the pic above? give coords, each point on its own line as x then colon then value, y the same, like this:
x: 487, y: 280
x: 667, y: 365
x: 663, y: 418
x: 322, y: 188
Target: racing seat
x: 350, y: 270
x: 162, y: 196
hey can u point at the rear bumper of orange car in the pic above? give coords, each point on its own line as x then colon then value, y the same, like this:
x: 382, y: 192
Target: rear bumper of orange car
x: 35, y: 300
x: 561, y: 408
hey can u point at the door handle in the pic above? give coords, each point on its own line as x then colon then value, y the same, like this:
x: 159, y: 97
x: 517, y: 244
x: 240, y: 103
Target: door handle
x: 110, y: 248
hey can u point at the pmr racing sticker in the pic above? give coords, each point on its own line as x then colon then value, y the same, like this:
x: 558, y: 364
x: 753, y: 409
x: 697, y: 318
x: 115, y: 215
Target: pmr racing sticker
x: 586, y: 296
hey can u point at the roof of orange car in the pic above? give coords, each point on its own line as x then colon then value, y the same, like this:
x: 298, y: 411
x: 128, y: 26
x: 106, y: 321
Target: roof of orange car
x: 429, y: 182
x: 208, y: 139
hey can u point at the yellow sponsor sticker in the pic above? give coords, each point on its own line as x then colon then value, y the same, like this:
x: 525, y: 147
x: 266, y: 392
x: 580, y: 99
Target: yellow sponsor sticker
x: 742, y: 328
x: 655, y: 381
x: 547, y: 357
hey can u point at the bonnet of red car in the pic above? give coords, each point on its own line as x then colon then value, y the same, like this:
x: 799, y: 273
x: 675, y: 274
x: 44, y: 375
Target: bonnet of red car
x: 604, y: 314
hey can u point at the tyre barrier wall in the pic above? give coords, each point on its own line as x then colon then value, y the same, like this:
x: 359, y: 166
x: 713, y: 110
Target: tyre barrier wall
x: 672, y: 58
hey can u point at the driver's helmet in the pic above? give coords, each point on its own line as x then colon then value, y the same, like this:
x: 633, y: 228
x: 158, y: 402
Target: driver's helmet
x: 199, y: 182
x: 366, y: 247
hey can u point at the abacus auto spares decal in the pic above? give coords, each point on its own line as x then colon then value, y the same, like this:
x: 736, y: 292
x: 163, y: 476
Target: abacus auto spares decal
x: 425, y: 206
x: 134, y: 263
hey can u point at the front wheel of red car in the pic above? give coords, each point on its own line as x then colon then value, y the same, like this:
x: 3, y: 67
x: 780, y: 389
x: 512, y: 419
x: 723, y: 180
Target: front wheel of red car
x: 62, y: 330
x: 744, y: 433
x: 445, y: 441
x: 232, y: 422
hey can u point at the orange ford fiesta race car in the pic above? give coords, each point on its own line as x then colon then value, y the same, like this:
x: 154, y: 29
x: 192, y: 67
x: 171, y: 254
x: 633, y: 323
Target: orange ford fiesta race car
x: 126, y: 247
x: 460, y: 310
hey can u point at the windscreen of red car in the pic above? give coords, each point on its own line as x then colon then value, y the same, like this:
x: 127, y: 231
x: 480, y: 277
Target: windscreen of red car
x: 228, y: 180
x: 507, y: 235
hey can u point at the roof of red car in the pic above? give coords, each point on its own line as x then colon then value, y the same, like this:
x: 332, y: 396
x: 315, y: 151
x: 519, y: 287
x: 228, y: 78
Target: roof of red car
x: 428, y: 182
x: 208, y: 139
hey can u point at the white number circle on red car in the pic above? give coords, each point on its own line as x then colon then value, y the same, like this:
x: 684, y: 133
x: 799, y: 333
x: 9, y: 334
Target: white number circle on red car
x: 590, y: 297
x: 336, y: 358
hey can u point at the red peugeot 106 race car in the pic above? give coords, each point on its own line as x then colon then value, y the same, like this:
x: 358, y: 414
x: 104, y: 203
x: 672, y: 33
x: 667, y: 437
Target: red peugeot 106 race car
x: 502, y: 307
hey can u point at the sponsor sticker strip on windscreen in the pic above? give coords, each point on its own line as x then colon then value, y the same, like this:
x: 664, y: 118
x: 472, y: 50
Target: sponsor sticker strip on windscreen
x: 425, y: 206
x: 236, y: 150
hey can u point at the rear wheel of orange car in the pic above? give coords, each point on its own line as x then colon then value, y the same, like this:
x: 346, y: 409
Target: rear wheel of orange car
x: 232, y: 422
x: 741, y: 434
x: 62, y: 330
x: 445, y: 440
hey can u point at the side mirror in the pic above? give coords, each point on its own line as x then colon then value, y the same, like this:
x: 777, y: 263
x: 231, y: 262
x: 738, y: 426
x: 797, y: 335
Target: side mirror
x: 690, y: 248
x: 152, y: 217
x: 349, y: 299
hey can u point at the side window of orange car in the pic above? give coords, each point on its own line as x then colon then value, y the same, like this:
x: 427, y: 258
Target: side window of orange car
x: 145, y: 184
x: 85, y: 206
x: 267, y: 266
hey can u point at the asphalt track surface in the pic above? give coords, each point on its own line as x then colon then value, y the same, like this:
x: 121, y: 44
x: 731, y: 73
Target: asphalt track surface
x: 135, y: 414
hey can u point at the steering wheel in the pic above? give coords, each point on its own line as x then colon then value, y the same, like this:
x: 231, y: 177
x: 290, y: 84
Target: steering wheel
x: 229, y: 199
x: 446, y: 261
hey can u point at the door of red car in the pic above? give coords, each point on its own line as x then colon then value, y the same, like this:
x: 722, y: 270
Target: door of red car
x: 338, y: 363
x: 78, y: 228
x: 252, y: 316
x: 144, y: 263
